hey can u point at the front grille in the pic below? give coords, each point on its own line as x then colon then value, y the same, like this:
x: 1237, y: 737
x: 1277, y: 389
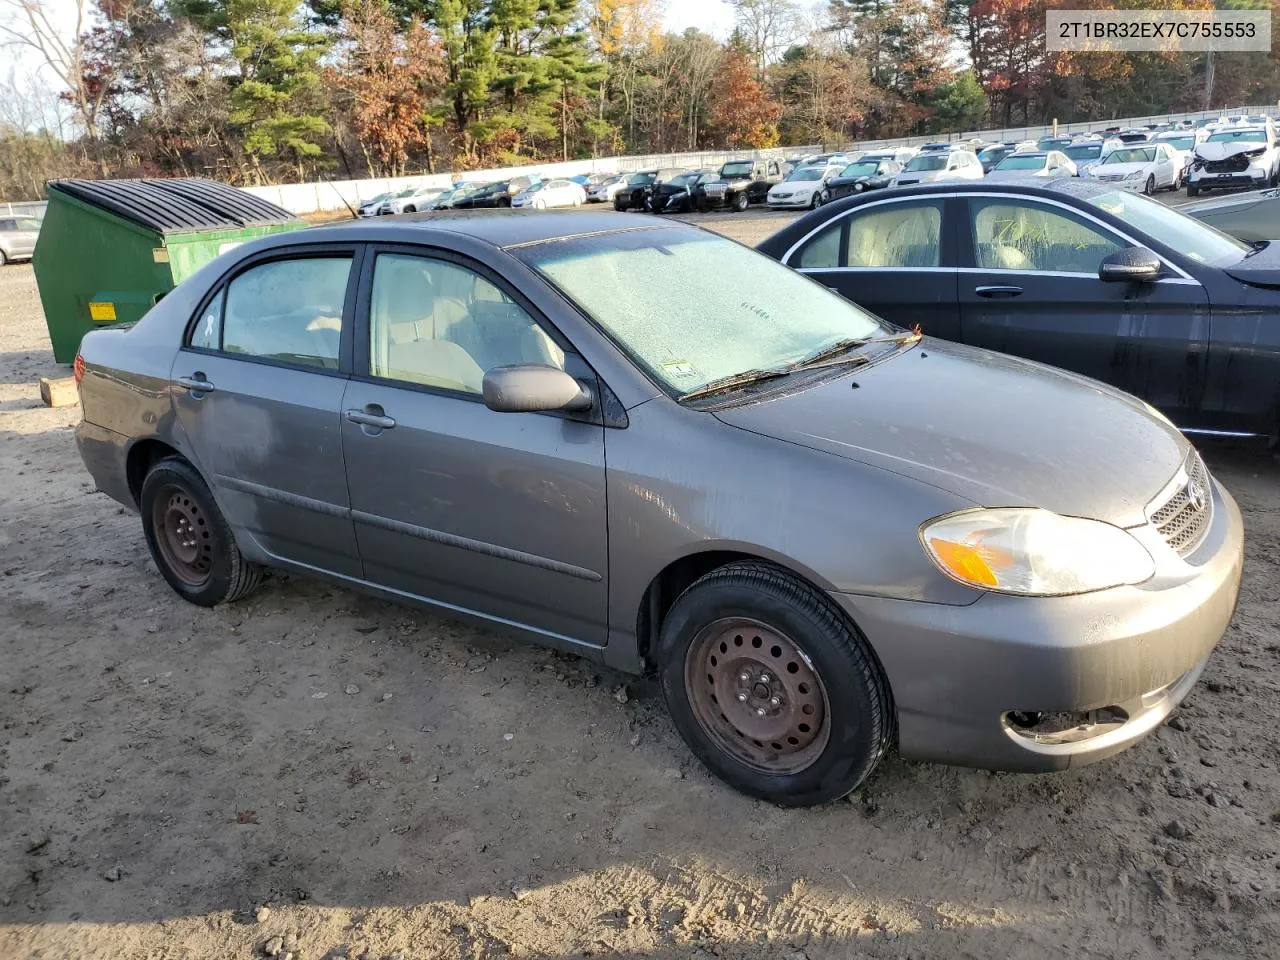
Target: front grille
x: 1236, y: 163
x: 1109, y: 177
x: 1183, y: 518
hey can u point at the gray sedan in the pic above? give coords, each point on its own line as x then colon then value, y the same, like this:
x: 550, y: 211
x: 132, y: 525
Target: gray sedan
x: 827, y: 535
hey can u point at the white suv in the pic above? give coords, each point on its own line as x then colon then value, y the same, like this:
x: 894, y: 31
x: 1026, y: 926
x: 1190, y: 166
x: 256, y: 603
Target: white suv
x: 1236, y: 157
x: 931, y: 167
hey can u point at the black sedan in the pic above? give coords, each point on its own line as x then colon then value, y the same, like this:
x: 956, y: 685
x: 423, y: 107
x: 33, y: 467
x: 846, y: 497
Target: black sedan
x: 1079, y: 275
x: 680, y: 194
x: 860, y: 176
x: 497, y: 194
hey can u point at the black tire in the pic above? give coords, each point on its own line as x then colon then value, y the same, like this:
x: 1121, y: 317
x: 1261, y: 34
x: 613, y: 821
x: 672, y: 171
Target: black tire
x: 3, y: 259
x: 1192, y: 190
x: 219, y: 573
x: 619, y: 206
x: 1149, y: 188
x: 741, y: 201
x: 856, y: 705
x: 411, y: 209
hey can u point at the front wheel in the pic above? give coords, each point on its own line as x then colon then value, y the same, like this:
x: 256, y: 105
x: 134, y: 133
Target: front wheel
x: 740, y: 202
x: 619, y: 206
x: 411, y: 209
x: 772, y: 688
x: 189, y: 539
x: 1192, y: 190
x: 1150, y: 186
x: 824, y: 198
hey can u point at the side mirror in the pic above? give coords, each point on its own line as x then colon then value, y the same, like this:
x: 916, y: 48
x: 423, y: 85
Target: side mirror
x: 1131, y: 265
x: 533, y: 388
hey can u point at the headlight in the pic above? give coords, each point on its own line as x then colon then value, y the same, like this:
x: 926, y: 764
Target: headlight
x: 1034, y: 552
x: 1135, y: 175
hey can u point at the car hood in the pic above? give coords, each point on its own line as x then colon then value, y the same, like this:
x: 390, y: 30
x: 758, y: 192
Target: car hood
x: 792, y: 186
x: 994, y: 429
x: 1223, y: 149
x: 1260, y: 269
x: 920, y: 176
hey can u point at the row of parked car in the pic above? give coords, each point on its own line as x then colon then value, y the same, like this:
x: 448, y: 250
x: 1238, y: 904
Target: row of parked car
x: 526, y: 190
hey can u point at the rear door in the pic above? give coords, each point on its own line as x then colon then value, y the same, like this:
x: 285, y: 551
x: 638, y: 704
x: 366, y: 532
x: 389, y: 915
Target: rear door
x: 895, y: 257
x: 496, y: 514
x: 258, y: 389
x: 1029, y: 286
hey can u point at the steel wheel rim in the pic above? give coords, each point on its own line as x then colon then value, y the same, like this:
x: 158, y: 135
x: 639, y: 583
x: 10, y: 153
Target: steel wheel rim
x: 182, y: 533
x: 757, y: 696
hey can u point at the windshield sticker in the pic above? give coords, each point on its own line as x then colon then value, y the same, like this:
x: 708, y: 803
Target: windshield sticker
x: 679, y: 370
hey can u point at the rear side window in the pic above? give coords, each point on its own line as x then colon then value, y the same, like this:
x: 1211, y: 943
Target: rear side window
x: 286, y: 310
x: 207, y: 334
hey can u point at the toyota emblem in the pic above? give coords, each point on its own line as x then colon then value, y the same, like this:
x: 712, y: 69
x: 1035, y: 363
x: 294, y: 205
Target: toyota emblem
x: 1196, y: 495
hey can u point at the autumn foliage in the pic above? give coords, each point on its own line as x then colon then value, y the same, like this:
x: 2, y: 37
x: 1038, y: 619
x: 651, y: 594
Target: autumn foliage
x: 742, y: 113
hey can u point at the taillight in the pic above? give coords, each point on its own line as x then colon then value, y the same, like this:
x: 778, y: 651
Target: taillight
x: 78, y: 368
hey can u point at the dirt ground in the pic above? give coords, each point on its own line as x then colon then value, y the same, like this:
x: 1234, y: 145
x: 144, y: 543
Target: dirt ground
x: 315, y: 773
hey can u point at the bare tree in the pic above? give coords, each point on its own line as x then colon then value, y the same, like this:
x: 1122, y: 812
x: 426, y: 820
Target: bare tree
x: 767, y: 28
x: 28, y: 105
x: 32, y: 25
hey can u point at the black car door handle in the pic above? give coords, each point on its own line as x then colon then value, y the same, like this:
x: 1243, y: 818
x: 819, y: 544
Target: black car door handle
x: 370, y: 418
x: 196, y: 384
x: 998, y: 290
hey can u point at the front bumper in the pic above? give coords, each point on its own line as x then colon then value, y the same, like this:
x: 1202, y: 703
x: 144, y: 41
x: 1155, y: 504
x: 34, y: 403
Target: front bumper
x: 1248, y: 178
x: 795, y: 201
x: 958, y: 672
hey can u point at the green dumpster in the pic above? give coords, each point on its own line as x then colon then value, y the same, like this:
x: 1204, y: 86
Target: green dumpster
x: 109, y: 249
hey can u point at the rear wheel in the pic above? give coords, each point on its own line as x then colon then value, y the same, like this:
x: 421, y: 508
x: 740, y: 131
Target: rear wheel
x: 772, y: 688
x: 740, y: 201
x: 189, y: 539
x: 824, y: 197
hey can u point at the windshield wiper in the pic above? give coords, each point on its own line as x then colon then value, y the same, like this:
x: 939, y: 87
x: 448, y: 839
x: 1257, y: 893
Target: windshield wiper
x: 734, y: 381
x: 826, y: 356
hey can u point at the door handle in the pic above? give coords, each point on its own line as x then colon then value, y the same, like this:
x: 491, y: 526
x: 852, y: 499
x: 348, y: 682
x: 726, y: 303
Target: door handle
x: 196, y: 383
x: 998, y: 290
x: 370, y: 416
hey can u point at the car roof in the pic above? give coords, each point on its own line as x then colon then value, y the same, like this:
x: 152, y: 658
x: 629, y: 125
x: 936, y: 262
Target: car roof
x: 498, y: 228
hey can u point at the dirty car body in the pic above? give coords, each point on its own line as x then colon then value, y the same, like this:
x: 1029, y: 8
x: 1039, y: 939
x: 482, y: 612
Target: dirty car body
x: 456, y: 412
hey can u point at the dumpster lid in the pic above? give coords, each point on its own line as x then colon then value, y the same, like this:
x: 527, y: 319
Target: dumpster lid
x: 178, y: 205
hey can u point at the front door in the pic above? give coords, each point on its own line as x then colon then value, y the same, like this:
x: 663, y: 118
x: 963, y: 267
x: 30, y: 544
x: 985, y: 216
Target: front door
x: 1030, y: 287
x: 258, y: 389
x: 889, y: 256
x: 497, y: 514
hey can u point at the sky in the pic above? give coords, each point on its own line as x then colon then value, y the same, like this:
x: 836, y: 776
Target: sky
x: 711, y: 16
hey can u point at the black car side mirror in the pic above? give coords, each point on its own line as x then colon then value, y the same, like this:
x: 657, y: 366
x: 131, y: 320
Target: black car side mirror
x: 533, y: 388
x: 1131, y: 265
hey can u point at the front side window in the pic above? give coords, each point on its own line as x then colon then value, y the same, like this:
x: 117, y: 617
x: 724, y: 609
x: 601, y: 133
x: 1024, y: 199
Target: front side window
x: 738, y: 309
x: 1012, y: 235
x: 288, y: 310
x: 439, y: 324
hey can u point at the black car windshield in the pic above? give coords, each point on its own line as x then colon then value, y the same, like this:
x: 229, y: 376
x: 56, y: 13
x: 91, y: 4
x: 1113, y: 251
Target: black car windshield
x: 932, y: 162
x: 861, y: 169
x: 1131, y: 155
x: 807, y: 173
x: 1249, y: 136
x: 742, y: 169
x: 738, y: 310
x: 1190, y: 237
x: 1022, y: 162
x: 1084, y: 151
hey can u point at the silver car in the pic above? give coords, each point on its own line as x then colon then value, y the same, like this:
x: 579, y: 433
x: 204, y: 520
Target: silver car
x: 829, y: 536
x: 17, y: 238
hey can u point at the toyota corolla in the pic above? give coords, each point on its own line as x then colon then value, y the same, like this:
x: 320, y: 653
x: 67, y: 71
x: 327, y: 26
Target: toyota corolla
x: 829, y: 536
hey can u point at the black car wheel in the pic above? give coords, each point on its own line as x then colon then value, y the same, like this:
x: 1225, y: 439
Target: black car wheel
x: 411, y: 209
x: 619, y: 206
x: 824, y: 197
x: 1149, y: 187
x: 189, y: 539
x: 740, y: 201
x: 1192, y: 190
x: 772, y: 688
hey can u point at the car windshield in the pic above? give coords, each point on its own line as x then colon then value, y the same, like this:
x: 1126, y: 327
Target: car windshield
x: 861, y: 169
x: 1023, y: 162
x: 1084, y: 151
x: 994, y: 153
x: 738, y: 310
x: 534, y: 187
x: 932, y: 162
x: 807, y: 173
x: 1131, y: 155
x: 1188, y: 236
x: 1179, y: 143
x: 742, y: 169
x: 640, y: 179
x: 1050, y: 143
x: 1249, y: 136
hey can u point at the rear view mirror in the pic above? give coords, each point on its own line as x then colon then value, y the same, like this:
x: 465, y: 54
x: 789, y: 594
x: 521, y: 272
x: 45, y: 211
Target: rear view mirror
x: 1131, y: 265
x: 533, y: 388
